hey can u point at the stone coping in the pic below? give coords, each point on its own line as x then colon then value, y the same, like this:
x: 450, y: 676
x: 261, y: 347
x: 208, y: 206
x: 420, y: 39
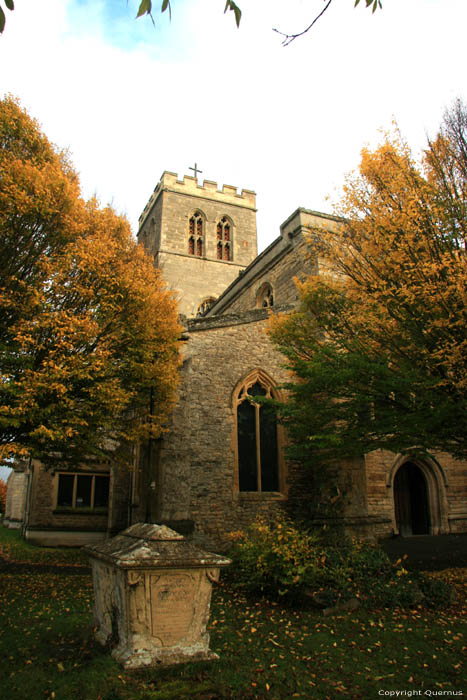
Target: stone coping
x: 150, y: 546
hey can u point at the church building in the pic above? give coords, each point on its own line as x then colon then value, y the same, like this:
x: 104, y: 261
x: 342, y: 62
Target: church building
x: 222, y: 462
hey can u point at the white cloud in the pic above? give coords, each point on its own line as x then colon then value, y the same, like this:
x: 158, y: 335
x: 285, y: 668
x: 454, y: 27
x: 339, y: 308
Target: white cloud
x: 288, y: 122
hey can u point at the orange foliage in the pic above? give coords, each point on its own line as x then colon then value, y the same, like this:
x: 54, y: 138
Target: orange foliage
x: 400, y: 256
x: 92, y: 332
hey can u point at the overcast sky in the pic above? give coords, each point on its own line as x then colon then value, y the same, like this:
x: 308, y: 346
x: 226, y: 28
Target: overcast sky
x: 130, y: 100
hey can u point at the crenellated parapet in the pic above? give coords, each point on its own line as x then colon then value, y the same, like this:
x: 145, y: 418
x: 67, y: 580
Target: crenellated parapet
x: 189, y: 185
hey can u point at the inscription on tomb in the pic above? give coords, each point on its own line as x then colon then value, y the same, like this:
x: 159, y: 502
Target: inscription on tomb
x: 172, y: 606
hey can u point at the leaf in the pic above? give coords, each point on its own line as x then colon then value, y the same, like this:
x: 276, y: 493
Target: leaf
x: 230, y: 5
x: 165, y: 5
x: 144, y: 8
x: 2, y: 20
x: 10, y: 4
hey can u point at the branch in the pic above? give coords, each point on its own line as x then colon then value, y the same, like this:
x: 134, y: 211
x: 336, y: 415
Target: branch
x: 288, y: 38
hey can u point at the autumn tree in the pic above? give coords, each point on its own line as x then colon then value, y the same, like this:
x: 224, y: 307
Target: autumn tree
x: 3, y: 490
x: 378, y: 344
x: 88, y: 331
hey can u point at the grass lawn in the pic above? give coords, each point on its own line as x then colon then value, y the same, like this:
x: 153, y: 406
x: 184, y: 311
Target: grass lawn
x: 266, y: 651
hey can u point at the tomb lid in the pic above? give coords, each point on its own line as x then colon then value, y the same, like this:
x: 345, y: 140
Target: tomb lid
x: 148, y: 531
x: 150, y: 546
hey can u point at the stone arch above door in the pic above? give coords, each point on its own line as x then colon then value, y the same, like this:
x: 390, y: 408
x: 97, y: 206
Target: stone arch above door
x: 436, y: 484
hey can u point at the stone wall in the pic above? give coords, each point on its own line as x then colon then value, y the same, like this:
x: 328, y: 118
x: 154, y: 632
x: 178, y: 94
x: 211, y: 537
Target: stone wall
x: 120, y: 496
x: 285, y: 260
x: 456, y: 491
x: 446, y: 480
x: 15, y: 499
x: 195, y: 279
x: 291, y: 262
x: 197, y: 461
x: 197, y: 467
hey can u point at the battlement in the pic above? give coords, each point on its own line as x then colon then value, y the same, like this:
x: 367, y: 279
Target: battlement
x: 208, y: 190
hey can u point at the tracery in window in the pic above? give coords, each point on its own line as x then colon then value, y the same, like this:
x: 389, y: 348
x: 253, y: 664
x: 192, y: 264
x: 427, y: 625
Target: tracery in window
x: 196, y: 234
x: 224, y: 238
x: 205, y: 306
x: 257, y: 436
x: 264, y: 296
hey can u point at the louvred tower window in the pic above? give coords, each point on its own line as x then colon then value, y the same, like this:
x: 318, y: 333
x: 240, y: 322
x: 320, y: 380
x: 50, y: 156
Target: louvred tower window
x: 196, y: 235
x: 224, y: 239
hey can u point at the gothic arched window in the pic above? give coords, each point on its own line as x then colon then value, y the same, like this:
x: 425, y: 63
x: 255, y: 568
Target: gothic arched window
x: 264, y: 296
x: 224, y: 239
x: 257, y: 443
x: 196, y: 234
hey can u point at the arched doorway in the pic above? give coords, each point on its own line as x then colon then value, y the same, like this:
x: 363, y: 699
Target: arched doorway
x: 411, y: 501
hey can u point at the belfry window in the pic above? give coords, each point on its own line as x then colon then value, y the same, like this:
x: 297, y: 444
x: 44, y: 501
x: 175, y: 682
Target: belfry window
x: 196, y: 234
x: 224, y: 239
x: 257, y: 438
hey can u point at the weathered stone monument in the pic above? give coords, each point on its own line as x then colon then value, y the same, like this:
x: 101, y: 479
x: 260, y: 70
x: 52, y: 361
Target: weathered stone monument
x: 152, y: 592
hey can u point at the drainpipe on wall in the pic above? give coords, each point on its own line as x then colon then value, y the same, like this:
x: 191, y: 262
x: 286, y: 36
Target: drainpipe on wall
x: 149, y: 475
x: 131, y: 490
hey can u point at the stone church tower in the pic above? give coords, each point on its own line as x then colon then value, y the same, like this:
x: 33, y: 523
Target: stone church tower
x: 200, y: 237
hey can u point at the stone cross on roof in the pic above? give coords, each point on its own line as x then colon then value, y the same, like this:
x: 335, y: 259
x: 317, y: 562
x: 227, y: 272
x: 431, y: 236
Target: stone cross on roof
x: 195, y: 170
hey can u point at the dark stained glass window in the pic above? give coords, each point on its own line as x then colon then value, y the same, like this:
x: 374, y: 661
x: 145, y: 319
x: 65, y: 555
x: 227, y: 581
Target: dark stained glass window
x: 268, y: 441
x: 247, y: 468
x: 257, y: 441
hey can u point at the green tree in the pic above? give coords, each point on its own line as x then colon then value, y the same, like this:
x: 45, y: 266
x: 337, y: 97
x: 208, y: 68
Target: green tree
x: 378, y: 345
x: 88, y: 331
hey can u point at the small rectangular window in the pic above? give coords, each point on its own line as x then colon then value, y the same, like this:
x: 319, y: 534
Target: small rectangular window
x: 101, y: 491
x: 65, y: 490
x: 89, y: 491
x: 83, y: 491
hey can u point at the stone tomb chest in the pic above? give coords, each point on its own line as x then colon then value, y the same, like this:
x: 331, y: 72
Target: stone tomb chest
x: 152, y: 593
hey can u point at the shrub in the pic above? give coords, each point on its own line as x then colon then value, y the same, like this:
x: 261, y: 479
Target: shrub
x: 279, y: 559
x: 274, y: 558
